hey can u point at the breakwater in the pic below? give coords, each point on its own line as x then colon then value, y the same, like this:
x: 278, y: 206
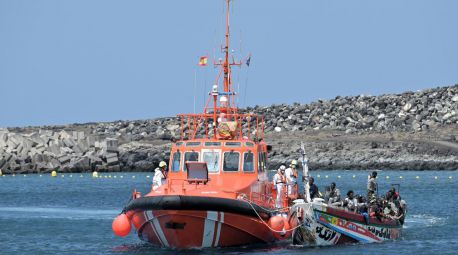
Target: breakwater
x: 412, y: 130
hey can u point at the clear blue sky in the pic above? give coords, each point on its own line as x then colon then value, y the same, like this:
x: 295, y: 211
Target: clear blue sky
x: 101, y: 60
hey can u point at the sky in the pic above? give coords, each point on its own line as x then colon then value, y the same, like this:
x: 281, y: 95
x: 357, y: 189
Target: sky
x: 79, y: 61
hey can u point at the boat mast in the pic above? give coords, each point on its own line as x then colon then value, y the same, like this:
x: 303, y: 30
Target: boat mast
x: 226, y: 65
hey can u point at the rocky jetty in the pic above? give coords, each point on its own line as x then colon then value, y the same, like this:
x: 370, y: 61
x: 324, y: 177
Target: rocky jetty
x: 412, y: 130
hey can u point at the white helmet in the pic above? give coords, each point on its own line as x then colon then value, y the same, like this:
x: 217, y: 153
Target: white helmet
x: 282, y: 167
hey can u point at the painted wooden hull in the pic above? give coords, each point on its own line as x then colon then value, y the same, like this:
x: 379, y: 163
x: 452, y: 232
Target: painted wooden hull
x: 322, y: 225
x: 182, y: 229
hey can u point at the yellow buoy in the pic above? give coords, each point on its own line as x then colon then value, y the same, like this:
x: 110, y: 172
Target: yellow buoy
x: 14, y: 175
x: 326, y: 176
x: 95, y: 174
x: 71, y: 176
x: 435, y: 177
x: 387, y: 177
x: 338, y: 177
x: 450, y: 177
x: 417, y: 177
x: 40, y: 175
x: 318, y: 176
x: 354, y: 176
x: 62, y: 175
x: 25, y: 175
x: 54, y: 173
x: 147, y: 176
x: 81, y: 176
x: 133, y: 177
x: 109, y: 176
x: 400, y: 177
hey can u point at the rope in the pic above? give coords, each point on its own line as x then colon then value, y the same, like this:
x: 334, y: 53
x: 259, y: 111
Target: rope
x: 267, y: 225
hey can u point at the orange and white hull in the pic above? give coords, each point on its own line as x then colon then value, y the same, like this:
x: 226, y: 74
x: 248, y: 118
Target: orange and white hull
x: 200, y: 229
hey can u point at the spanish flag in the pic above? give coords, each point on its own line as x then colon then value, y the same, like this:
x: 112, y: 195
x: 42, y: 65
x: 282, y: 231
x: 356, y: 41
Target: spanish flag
x: 203, y: 61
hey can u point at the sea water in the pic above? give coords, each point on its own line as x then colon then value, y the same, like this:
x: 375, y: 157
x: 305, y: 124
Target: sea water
x: 72, y: 214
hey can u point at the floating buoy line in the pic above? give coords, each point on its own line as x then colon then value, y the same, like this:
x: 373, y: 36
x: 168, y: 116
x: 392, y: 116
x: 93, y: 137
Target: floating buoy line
x: 96, y: 175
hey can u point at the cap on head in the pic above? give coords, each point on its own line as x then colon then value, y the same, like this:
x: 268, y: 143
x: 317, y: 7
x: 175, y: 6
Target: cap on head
x: 294, y: 163
x: 162, y: 164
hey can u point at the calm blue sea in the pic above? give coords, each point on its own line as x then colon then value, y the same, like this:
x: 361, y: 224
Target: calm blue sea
x: 73, y: 215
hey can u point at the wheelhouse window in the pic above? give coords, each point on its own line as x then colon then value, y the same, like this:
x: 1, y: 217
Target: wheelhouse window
x: 231, y: 161
x: 190, y: 156
x: 179, y: 143
x: 212, y: 160
x: 249, y: 144
x: 233, y: 144
x: 248, y: 162
x: 193, y: 144
x: 212, y: 144
x: 176, y: 161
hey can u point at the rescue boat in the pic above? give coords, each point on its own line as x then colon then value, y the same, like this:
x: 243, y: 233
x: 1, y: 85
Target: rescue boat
x: 217, y: 192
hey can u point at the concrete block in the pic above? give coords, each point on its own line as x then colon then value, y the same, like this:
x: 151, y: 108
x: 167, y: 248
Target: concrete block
x: 64, y: 135
x: 111, y: 144
x: 101, y: 168
x: 66, y: 150
x: 115, y: 168
x: 11, y: 144
x: 64, y: 159
x: 46, y: 139
x: 54, y: 149
x: 69, y: 142
x: 45, y: 132
x: 77, y: 149
x: 83, y: 145
x: 82, y: 163
x: 78, y: 135
x: 111, y: 155
x: 112, y: 161
x: 94, y: 161
x: 7, y: 157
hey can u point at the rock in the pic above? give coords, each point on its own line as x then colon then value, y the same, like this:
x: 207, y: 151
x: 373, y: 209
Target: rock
x: 277, y: 129
x: 407, y: 107
x: 455, y: 98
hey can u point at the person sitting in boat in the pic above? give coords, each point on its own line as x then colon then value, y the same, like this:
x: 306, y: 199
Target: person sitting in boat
x: 279, y: 181
x: 350, y: 202
x: 313, y: 190
x: 372, y: 184
x: 334, y: 195
x: 392, y: 195
x: 160, y: 175
x: 291, y: 177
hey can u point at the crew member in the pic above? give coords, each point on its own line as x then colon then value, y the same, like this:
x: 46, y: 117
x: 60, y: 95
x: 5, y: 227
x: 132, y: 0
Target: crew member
x: 279, y: 180
x: 160, y: 175
x: 291, y: 176
x: 372, y: 185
